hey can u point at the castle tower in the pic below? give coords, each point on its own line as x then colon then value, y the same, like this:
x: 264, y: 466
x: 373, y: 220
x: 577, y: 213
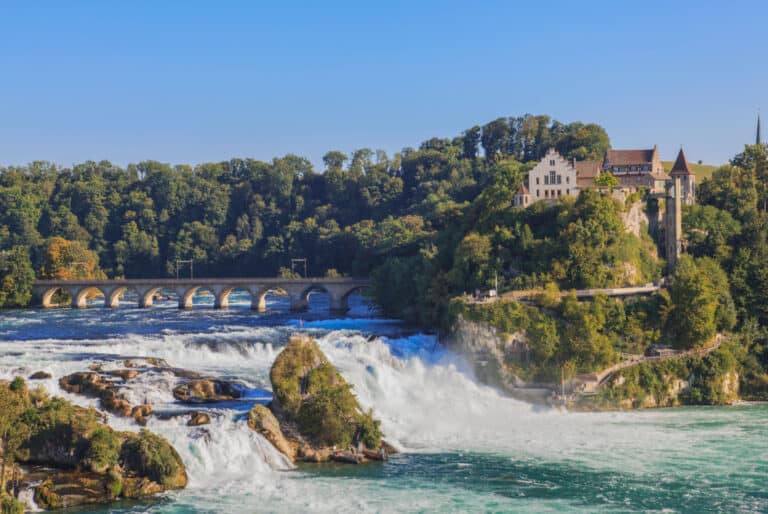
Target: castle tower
x: 673, y: 222
x: 682, y: 170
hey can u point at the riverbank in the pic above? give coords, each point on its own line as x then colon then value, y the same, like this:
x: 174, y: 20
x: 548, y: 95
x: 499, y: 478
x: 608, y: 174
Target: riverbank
x: 511, y: 346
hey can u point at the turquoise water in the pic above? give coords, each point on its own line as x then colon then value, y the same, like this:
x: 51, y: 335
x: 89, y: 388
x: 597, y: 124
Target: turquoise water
x: 466, y: 448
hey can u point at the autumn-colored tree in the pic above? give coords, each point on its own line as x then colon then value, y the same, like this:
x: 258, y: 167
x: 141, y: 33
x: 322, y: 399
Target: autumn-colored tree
x: 69, y: 260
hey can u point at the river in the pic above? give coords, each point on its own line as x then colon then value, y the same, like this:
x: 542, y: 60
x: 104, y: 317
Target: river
x: 465, y: 446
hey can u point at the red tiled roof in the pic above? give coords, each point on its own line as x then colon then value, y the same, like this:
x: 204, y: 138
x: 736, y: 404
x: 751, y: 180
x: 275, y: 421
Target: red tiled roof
x: 522, y: 190
x: 587, y: 169
x: 586, y: 172
x: 681, y: 165
x: 628, y: 157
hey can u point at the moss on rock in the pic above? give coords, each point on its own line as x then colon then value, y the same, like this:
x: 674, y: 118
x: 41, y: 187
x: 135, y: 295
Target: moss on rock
x: 314, y: 408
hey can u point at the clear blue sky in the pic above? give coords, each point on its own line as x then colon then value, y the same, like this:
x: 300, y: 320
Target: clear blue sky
x: 206, y: 81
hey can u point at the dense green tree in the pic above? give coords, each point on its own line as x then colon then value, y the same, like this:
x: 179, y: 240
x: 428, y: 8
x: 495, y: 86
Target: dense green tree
x: 16, y: 277
x: 692, y: 317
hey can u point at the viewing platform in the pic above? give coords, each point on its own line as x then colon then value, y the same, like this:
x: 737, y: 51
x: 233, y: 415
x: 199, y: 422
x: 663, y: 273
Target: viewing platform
x: 297, y: 289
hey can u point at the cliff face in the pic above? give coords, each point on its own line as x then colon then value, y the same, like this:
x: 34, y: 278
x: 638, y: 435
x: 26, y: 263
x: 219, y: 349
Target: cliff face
x: 490, y: 352
x: 635, y: 218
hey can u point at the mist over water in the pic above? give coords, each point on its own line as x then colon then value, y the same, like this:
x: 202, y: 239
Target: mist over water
x: 466, y: 447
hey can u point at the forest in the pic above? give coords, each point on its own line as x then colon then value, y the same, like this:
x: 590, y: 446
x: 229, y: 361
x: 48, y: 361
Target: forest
x: 426, y: 224
x: 244, y: 217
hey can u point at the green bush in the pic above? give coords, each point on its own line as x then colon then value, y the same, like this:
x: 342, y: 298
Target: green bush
x: 104, y: 449
x: 370, y: 433
x: 151, y: 455
x: 328, y: 416
x: 10, y: 505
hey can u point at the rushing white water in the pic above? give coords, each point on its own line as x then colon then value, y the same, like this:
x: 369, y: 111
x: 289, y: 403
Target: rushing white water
x: 466, y: 446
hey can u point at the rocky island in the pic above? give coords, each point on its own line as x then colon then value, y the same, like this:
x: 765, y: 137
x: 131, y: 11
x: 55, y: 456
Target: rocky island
x: 70, y: 457
x: 314, y: 417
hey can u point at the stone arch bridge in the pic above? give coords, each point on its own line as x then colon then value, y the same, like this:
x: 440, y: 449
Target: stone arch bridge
x: 298, y: 290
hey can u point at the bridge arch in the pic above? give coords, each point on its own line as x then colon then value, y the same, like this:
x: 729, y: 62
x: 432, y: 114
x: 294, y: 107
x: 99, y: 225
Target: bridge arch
x: 80, y: 296
x: 222, y: 295
x: 112, y: 296
x: 187, y: 295
x: 147, y: 295
x: 46, y: 296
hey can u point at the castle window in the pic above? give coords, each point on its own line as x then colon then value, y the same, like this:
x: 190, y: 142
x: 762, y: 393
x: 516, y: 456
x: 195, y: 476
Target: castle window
x: 537, y: 192
x: 552, y: 177
x: 567, y: 179
x: 552, y: 162
x: 537, y: 181
x: 568, y: 191
x: 559, y: 179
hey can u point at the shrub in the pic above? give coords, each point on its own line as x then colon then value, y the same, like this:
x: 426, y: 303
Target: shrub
x: 369, y: 431
x: 104, y: 449
x: 10, y: 505
x: 328, y: 416
x: 151, y: 455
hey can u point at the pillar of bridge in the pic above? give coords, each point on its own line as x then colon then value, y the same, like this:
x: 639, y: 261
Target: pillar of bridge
x: 299, y: 302
x: 221, y: 295
x: 42, y: 297
x: 185, y: 295
x: 258, y: 297
x: 79, y: 296
x: 298, y: 293
x: 146, y: 295
x: 339, y: 296
x: 112, y: 296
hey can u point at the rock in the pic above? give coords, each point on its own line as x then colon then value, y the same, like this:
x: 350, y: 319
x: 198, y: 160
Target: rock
x: 148, y: 455
x: 40, y: 375
x: 140, y: 413
x: 96, y: 386
x: 145, y: 362
x: 314, y: 417
x: 96, y: 367
x: 125, y: 374
x: 261, y: 419
x: 205, y: 391
x: 79, y: 460
x: 115, y: 405
x: 198, y: 418
x: 87, y: 383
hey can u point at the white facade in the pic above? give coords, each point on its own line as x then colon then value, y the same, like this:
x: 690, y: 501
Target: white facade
x: 552, y: 178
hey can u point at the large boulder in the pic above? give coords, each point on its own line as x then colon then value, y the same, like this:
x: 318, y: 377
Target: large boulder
x: 198, y: 418
x: 263, y: 421
x: 206, y: 390
x: 314, y: 409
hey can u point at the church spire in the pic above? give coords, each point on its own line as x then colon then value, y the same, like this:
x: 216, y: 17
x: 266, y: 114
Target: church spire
x: 758, y: 139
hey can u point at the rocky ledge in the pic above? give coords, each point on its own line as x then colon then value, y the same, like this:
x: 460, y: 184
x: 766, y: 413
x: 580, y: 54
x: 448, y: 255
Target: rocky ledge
x: 314, y: 417
x: 107, y: 385
x: 71, y: 458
